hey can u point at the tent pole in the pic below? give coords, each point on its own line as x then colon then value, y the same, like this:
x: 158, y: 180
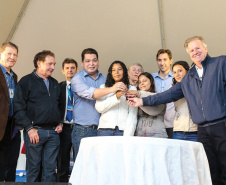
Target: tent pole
x: 17, y: 21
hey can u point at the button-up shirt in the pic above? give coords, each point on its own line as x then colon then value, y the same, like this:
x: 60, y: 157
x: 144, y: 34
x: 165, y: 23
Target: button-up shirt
x: 10, y: 85
x: 200, y: 72
x: 83, y: 87
x: 162, y: 85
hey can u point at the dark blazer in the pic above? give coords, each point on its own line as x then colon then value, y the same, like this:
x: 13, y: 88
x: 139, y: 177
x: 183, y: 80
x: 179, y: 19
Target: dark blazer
x: 62, y: 98
x: 5, y: 103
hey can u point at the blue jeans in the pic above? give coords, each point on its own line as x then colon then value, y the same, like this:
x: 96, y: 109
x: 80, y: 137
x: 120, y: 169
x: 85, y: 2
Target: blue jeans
x: 109, y: 132
x: 78, y: 133
x: 45, y: 152
x: 188, y: 136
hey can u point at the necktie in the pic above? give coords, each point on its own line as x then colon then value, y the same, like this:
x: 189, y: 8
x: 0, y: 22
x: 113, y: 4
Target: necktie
x: 69, y: 104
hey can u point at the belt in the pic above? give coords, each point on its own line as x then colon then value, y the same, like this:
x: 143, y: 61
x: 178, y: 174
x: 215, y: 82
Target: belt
x: 193, y: 132
x: 87, y: 126
x: 68, y: 125
x: 45, y: 127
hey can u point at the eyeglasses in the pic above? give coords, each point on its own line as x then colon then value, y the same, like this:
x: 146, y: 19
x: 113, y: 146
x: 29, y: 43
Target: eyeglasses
x: 10, y: 54
x: 137, y: 70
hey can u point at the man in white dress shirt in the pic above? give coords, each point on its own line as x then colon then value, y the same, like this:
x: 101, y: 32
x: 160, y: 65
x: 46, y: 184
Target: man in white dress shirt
x: 69, y: 68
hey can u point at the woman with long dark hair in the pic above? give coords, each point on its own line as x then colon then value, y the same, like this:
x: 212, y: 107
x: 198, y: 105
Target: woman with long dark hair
x: 117, y: 117
x: 150, y: 119
x: 183, y: 126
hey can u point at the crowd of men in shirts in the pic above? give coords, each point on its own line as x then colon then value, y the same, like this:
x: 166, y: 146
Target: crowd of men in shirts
x: 56, y: 116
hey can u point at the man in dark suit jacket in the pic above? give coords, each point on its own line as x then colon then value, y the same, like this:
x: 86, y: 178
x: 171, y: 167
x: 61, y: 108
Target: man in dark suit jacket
x: 9, y: 135
x: 69, y: 68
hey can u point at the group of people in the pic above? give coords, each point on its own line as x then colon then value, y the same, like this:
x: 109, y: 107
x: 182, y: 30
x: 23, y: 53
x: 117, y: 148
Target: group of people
x: 172, y: 103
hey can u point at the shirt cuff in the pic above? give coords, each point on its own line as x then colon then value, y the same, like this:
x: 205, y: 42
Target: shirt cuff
x: 28, y: 128
x: 145, y: 101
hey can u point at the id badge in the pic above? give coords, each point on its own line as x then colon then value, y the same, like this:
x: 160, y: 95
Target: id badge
x: 70, y: 108
x: 11, y: 93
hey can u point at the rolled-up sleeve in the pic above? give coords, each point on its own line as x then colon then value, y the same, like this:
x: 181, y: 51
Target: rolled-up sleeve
x: 80, y: 87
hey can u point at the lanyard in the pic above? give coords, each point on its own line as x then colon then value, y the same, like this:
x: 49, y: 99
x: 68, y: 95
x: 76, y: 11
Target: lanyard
x: 69, y: 94
x: 10, y: 85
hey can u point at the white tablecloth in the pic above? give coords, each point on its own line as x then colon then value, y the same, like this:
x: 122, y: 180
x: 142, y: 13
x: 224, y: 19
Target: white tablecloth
x: 140, y: 161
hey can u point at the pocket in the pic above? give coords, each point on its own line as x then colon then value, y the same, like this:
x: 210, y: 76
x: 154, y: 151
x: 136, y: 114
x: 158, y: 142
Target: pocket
x: 81, y: 131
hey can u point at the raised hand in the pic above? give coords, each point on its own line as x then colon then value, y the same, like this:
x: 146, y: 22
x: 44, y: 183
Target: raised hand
x: 132, y: 94
x: 135, y: 102
x: 119, y: 86
x: 120, y: 93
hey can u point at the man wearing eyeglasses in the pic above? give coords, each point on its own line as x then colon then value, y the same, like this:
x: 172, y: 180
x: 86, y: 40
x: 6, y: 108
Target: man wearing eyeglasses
x: 134, y: 70
x: 9, y: 135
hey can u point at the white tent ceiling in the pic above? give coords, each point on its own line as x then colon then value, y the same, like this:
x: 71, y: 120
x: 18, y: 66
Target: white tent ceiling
x: 127, y: 30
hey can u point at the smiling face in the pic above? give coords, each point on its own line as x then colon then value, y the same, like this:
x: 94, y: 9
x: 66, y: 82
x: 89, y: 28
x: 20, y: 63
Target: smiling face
x: 8, y: 57
x: 69, y: 70
x: 164, y: 63
x: 197, y: 51
x: 90, y: 64
x: 117, y: 72
x: 144, y: 83
x: 179, y: 72
x: 46, y: 68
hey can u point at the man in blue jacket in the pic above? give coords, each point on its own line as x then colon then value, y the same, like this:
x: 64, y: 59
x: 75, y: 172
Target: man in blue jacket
x: 204, y: 88
x: 36, y: 109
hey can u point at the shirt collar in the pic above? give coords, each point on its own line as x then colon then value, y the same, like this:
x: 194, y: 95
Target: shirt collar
x: 86, y: 74
x: 68, y: 83
x: 40, y: 76
x: 199, y: 71
x: 5, y: 71
x: 170, y: 74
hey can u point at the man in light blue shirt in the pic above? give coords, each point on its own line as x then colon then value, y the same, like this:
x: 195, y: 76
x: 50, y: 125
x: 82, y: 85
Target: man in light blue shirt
x: 85, y: 86
x: 163, y: 81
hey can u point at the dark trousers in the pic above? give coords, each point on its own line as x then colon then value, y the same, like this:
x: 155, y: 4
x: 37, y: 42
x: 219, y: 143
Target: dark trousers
x: 13, y: 157
x: 63, y: 159
x: 5, y: 145
x: 213, y: 139
x: 169, y: 132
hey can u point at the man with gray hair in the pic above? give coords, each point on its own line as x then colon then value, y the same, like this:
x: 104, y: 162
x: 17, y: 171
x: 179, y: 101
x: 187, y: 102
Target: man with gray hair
x: 204, y: 88
x: 134, y: 70
x: 9, y: 135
